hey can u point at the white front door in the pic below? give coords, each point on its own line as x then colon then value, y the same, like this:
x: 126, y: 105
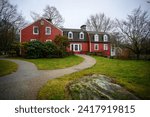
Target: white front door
x: 76, y: 47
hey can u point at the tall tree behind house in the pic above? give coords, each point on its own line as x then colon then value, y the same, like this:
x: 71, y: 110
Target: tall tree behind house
x: 51, y: 14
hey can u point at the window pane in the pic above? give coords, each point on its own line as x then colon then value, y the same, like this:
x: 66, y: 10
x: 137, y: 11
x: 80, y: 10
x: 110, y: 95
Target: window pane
x: 105, y: 47
x: 48, y: 30
x: 35, y: 29
x: 96, y: 47
x: 76, y: 47
x: 96, y: 37
x: 70, y: 35
x: 105, y: 38
x: 72, y: 47
x: 81, y: 36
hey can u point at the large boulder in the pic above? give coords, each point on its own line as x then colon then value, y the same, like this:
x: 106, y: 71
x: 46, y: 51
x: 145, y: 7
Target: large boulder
x: 97, y: 87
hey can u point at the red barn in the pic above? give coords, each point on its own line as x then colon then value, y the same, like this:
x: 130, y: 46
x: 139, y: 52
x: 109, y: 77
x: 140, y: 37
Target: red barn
x: 81, y: 40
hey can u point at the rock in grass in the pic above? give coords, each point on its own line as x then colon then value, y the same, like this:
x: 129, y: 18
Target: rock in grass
x: 97, y: 87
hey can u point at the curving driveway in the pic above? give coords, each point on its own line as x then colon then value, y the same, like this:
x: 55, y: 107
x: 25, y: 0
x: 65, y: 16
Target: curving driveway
x: 26, y: 82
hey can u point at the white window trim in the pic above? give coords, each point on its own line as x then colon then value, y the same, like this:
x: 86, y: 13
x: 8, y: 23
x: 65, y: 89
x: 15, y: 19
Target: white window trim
x: 79, y: 47
x: 96, y: 37
x: 37, y: 31
x: 105, y: 37
x: 46, y: 30
x: 95, y: 46
x: 33, y: 39
x: 105, y: 46
x: 71, y: 35
x: 81, y: 33
x: 48, y: 40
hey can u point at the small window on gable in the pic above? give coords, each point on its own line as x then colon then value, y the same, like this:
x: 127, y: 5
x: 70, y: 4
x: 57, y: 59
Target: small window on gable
x: 35, y: 30
x: 70, y: 35
x: 81, y: 36
x: 47, y: 30
x: 105, y: 37
x: 32, y: 39
x: 96, y: 37
x: 42, y: 22
x: 96, y: 47
x: 105, y: 46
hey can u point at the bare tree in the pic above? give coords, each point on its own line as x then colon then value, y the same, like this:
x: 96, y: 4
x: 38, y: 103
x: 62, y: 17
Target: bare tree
x: 135, y: 30
x: 10, y: 22
x: 99, y: 22
x: 53, y: 15
x: 50, y: 13
x: 35, y: 16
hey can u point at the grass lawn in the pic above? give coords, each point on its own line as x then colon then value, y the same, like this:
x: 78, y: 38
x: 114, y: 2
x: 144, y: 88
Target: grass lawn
x: 56, y: 63
x: 131, y: 74
x: 7, y: 67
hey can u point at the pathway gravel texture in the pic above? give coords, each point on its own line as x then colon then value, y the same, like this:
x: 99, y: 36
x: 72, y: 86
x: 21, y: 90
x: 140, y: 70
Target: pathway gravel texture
x: 25, y: 83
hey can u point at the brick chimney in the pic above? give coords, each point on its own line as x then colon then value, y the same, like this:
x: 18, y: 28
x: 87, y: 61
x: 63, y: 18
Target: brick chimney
x: 83, y: 27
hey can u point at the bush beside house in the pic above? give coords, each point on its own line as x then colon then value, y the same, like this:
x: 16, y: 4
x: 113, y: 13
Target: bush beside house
x: 37, y: 49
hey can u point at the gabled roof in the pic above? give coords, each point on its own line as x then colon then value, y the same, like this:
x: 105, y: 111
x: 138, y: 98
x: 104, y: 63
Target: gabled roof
x: 39, y: 20
x: 80, y: 30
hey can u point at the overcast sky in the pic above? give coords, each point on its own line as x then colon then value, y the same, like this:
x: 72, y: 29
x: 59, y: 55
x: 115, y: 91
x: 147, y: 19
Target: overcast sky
x: 76, y: 12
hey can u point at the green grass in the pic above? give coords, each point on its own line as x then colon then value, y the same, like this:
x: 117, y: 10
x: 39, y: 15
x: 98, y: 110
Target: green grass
x: 131, y: 74
x: 7, y: 67
x: 56, y: 63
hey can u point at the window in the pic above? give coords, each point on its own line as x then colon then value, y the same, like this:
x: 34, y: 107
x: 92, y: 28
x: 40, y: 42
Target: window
x: 70, y: 35
x: 105, y: 38
x: 32, y: 39
x: 96, y: 37
x: 48, y: 40
x: 96, y: 47
x: 105, y: 46
x: 81, y: 36
x: 47, y: 30
x: 75, y: 47
x: 42, y: 22
x: 35, y: 30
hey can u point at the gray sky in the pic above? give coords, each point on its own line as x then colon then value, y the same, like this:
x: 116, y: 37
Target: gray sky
x: 76, y: 12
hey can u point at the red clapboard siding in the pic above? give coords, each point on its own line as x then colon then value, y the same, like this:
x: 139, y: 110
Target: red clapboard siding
x: 27, y: 32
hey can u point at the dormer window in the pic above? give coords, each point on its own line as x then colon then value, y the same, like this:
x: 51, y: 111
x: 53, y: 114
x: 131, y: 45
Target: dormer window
x: 105, y: 37
x: 81, y: 36
x: 70, y: 35
x: 96, y: 37
x: 47, y: 30
x: 35, y: 30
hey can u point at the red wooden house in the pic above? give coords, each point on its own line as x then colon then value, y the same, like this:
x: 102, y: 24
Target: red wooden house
x: 81, y: 40
x: 41, y: 30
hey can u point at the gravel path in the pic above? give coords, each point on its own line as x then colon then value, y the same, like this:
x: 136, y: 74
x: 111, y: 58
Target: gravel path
x: 26, y: 82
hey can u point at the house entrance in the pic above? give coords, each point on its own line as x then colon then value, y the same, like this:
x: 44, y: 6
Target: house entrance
x: 76, y: 47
